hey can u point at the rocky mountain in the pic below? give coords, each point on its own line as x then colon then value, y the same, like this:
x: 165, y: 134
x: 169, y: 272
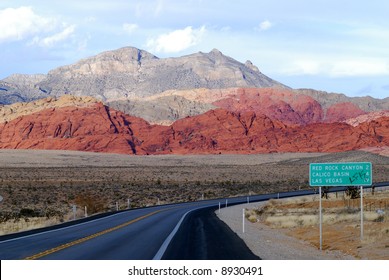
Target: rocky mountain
x: 130, y: 72
x: 326, y: 100
x: 162, y: 109
x: 130, y: 101
x: 163, y: 90
x: 93, y: 126
x: 20, y: 88
x: 278, y: 103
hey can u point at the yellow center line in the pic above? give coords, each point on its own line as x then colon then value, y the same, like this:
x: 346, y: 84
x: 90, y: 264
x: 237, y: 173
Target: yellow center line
x: 81, y: 240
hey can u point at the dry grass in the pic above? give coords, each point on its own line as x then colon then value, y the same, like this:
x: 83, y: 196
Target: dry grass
x: 26, y: 224
x: 341, y: 222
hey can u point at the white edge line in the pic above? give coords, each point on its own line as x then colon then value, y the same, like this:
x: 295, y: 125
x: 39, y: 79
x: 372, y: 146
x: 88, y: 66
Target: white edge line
x: 165, y: 244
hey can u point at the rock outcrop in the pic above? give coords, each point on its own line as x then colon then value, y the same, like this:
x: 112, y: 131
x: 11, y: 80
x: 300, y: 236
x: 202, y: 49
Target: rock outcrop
x: 10, y: 112
x: 367, y: 118
x: 95, y: 128
x: 99, y: 128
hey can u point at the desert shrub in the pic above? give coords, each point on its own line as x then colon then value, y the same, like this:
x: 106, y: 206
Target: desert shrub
x: 27, y: 212
x: 380, y: 219
x: 252, y: 218
x: 93, y: 203
x: 353, y: 192
x: 324, y: 192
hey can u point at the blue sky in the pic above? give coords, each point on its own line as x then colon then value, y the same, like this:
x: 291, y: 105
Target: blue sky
x: 336, y: 46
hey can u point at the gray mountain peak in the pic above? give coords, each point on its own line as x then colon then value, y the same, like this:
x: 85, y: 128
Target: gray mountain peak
x: 131, y: 72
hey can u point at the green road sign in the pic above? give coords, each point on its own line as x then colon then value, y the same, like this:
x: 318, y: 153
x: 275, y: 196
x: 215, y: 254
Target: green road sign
x: 340, y: 174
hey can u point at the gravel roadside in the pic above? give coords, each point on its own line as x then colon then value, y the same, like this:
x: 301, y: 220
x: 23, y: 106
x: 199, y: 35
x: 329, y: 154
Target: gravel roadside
x: 273, y: 244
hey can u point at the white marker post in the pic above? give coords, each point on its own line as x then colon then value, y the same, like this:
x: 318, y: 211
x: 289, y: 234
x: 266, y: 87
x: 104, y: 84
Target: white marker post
x: 117, y: 206
x: 226, y: 203
x: 243, y: 219
x: 74, y: 212
x: 86, y: 213
x: 219, y: 206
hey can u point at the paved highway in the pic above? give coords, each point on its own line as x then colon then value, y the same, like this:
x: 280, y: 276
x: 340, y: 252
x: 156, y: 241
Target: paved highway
x: 139, y: 234
x: 178, y: 231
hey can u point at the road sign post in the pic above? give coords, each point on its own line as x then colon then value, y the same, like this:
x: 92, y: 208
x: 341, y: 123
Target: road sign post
x: 340, y: 174
x: 320, y: 220
x: 361, y: 212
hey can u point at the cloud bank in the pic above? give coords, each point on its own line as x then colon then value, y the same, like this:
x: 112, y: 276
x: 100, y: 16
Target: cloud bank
x: 19, y: 23
x: 177, y: 40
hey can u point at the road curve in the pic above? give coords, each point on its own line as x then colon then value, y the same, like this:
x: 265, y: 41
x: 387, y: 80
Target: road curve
x: 141, y: 234
x: 177, y: 231
x: 136, y: 234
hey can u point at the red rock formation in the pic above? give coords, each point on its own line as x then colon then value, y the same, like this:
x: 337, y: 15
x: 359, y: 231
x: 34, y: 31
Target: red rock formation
x: 379, y: 128
x: 280, y: 104
x: 101, y: 129
x: 226, y: 132
x: 342, y: 111
x: 95, y: 128
x: 367, y: 117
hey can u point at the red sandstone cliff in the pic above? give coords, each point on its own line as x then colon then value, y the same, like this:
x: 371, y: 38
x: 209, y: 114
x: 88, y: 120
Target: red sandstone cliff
x: 101, y: 129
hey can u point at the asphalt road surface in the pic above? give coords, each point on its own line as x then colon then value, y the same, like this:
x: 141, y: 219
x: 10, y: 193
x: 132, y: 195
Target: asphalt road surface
x: 205, y: 237
x: 178, y: 231
x: 140, y: 234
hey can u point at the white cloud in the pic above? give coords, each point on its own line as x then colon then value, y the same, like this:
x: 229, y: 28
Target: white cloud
x: 303, y: 67
x: 18, y: 23
x: 177, y: 40
x: 130, y: 27
x: 265, y: 25
x: 335, y: 67
x: 50, y: 41
x: 359, y: 67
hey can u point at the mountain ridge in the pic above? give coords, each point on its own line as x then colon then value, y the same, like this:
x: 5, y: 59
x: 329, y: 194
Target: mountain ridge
x: 131, y: 72
x: 127, y: 78
x: 98, y: 128
x: 130, y: 101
